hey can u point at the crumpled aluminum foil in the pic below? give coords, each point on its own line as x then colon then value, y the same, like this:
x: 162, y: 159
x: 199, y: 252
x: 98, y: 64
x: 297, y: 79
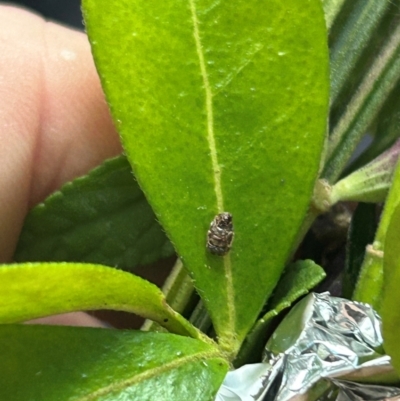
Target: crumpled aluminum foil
x: 325, y: 349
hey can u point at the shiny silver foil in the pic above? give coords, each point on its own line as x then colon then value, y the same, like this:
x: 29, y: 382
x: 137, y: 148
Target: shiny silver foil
x: 326, y: 349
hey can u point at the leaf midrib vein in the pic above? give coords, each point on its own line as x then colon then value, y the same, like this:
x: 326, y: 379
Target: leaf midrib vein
x: 215, y: 165
x: 149, y: 374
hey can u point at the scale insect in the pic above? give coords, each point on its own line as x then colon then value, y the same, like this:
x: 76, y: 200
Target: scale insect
x: 220, y: 235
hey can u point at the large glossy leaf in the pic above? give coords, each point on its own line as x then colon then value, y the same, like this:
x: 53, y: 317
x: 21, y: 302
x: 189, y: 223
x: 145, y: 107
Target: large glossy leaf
x: 32, y: 290
x: 102, y: 217
x: 390, y: 310
x: 222, y: 107
x: 43, y: 363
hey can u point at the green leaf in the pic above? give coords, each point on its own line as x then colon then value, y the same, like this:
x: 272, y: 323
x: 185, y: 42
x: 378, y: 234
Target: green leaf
x: 391, y: 295
x: 102, y: 217
x: 298, y: 279
x: 179, y: 293
x: 222, y: 107
x: 33, y: 290
x: 45, y: 363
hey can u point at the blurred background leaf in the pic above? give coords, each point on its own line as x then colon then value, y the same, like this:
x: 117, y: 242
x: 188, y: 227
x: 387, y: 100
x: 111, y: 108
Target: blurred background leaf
x: 102, y: 217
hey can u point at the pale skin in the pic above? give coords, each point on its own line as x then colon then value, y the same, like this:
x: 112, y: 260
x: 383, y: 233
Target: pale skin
x: 54, y: 121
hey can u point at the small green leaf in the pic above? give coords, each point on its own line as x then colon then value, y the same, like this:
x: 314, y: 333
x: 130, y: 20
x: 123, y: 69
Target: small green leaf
x: 33, y: 290
x: 297, y: 280
x: 222, y: 108
x: 390, y: 310
x: 44, y: 363
x: 102, y: 217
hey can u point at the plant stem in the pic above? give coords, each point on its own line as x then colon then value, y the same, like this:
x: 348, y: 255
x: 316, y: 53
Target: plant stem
x: 369, y: 183
x: 353, y: 39
x: 363, y: 108
x: 178, y: 290
x: 200, y: 318
x: 370, y: 282
x: 320, y: 204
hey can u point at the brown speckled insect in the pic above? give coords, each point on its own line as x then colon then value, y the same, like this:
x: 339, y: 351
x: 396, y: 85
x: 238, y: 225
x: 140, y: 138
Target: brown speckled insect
x: 220, y: 235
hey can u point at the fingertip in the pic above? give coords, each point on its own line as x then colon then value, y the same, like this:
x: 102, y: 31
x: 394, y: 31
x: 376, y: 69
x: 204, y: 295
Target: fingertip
x: 77, y: 131
x: 55, y: 123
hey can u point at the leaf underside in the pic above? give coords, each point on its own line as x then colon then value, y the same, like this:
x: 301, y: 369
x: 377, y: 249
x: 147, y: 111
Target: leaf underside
x: 221, y: 107
x: 33, y: 290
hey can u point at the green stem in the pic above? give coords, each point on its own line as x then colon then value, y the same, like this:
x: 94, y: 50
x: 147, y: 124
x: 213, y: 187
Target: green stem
x: 370, y: 282
x: 364, y: 107
x: 176, y: 323
x: 370, y: 183
x: 353, y: 39
x: 320, y: 203
x: 178, y: 290
x: 200, y: 318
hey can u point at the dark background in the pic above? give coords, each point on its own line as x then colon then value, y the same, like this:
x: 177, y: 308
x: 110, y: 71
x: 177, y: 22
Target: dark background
x: 65, y: 11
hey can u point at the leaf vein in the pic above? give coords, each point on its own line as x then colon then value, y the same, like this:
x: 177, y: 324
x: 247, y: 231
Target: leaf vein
x: 230, y: 329
x: 246, y: 62
x: 149, y: 374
